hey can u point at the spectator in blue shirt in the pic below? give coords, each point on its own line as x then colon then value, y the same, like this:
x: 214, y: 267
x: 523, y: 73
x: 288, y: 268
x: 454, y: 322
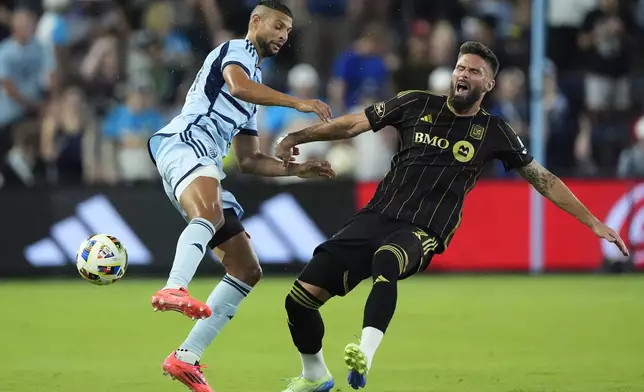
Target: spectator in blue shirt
x: 125, y: 131
x: 24, y: 71
x: 361, y: 68
x: 320, y: 45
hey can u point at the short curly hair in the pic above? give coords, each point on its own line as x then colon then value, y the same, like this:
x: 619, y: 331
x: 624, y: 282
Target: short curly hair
x: 477, y: 48
x: 277, y: 6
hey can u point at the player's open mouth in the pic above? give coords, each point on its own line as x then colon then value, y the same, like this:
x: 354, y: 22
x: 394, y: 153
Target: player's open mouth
x: 462, y: 88
x: 277, y: 46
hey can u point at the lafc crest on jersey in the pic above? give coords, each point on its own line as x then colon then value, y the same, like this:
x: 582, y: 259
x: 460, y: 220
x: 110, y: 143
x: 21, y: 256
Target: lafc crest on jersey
x: 476, y: 132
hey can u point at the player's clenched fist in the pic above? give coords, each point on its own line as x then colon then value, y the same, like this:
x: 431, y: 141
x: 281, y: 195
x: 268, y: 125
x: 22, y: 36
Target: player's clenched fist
x: 315, y: 106
x: 285, y: 150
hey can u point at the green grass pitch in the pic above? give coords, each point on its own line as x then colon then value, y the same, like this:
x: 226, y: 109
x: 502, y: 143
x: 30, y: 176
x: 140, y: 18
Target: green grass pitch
x: 450, y: 334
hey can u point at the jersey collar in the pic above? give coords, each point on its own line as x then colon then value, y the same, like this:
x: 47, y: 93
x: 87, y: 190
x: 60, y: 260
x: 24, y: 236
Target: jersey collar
x: 253, y: 52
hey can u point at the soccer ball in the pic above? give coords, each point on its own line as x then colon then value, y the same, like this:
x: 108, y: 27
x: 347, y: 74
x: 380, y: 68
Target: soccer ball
x: 101, y: 259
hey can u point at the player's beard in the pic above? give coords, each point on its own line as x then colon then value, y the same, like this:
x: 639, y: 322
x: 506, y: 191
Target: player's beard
x: 265, y: 48
x: 463, y: 103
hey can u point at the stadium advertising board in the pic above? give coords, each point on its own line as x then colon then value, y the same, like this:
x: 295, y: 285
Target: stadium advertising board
x: 42, y: 230
x: 495, y: 229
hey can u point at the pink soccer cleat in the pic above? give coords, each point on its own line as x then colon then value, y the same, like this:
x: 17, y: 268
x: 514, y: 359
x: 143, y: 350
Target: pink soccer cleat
x: 179, y: 300
x: 190, y: 375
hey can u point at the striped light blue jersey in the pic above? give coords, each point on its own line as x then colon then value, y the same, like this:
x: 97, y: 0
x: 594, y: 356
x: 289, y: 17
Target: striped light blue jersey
x: 209, y: 105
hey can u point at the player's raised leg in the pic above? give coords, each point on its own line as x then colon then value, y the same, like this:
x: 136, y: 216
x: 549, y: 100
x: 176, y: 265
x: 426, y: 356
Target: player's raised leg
x: 402, y: 254
x: 243, y: 272
x: 200, y: 197
x: 378, y: 312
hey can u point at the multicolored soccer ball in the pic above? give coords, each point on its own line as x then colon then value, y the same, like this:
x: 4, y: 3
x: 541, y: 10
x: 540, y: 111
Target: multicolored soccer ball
x: 101, y: 259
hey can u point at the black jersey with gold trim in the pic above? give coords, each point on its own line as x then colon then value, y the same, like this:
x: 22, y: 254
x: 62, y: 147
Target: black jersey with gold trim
x: 440, y: 159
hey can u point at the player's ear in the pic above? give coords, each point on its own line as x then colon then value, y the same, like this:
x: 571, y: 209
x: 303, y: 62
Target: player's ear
x: 490, y: 85
x: 255, y: 20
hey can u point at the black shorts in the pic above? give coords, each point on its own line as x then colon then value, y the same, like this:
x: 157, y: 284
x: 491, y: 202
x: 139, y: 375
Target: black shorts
x: 342, y: 262
x: 232, y: 226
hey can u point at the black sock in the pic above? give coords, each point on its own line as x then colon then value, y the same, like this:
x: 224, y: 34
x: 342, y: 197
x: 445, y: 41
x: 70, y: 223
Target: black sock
x: 304, y: 320
x: 381, y: 304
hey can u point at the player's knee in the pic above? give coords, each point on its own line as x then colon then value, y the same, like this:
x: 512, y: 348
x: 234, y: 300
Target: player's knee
x: 295, y: 308
x: 300, y: 300
x: 239, y: 259
x: 389, y: 261
x: 213, y: 212
x: 318, y: 293
x: 250, y: 273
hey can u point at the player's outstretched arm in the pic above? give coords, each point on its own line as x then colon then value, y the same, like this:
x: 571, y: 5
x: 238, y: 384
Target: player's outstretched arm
x: 252, y: 161
x: 242, y: 87
x: 343, y: 127
x: 551, y: 187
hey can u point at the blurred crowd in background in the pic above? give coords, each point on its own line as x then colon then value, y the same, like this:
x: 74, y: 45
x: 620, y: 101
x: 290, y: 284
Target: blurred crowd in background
x: 86, y: 82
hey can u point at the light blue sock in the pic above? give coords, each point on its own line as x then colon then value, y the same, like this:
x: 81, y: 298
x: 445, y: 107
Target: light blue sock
x: 192, y: 246
x: 223, y: 301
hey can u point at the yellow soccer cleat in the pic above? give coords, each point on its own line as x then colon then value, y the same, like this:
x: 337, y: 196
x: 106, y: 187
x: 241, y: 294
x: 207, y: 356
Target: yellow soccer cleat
x: 301, y: 384
x: 357, y: 363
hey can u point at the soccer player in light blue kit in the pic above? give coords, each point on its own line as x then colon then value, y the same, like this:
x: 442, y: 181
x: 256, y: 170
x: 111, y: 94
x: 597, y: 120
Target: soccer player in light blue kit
x: 220, y: 112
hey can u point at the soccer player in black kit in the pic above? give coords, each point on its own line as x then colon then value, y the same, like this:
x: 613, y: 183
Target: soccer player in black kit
x: 445, y: 143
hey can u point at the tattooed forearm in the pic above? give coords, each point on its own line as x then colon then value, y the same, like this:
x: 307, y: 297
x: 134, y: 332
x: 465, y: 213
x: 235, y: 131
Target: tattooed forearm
x: 556, y: 191
x: 540, y: 177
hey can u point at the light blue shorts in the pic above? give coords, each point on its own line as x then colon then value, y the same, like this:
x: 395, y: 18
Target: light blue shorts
x: 182, y: 153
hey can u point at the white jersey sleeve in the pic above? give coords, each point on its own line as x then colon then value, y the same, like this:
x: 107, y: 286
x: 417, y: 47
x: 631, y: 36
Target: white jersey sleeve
x: 210, y: 107
x: 241, y: 53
